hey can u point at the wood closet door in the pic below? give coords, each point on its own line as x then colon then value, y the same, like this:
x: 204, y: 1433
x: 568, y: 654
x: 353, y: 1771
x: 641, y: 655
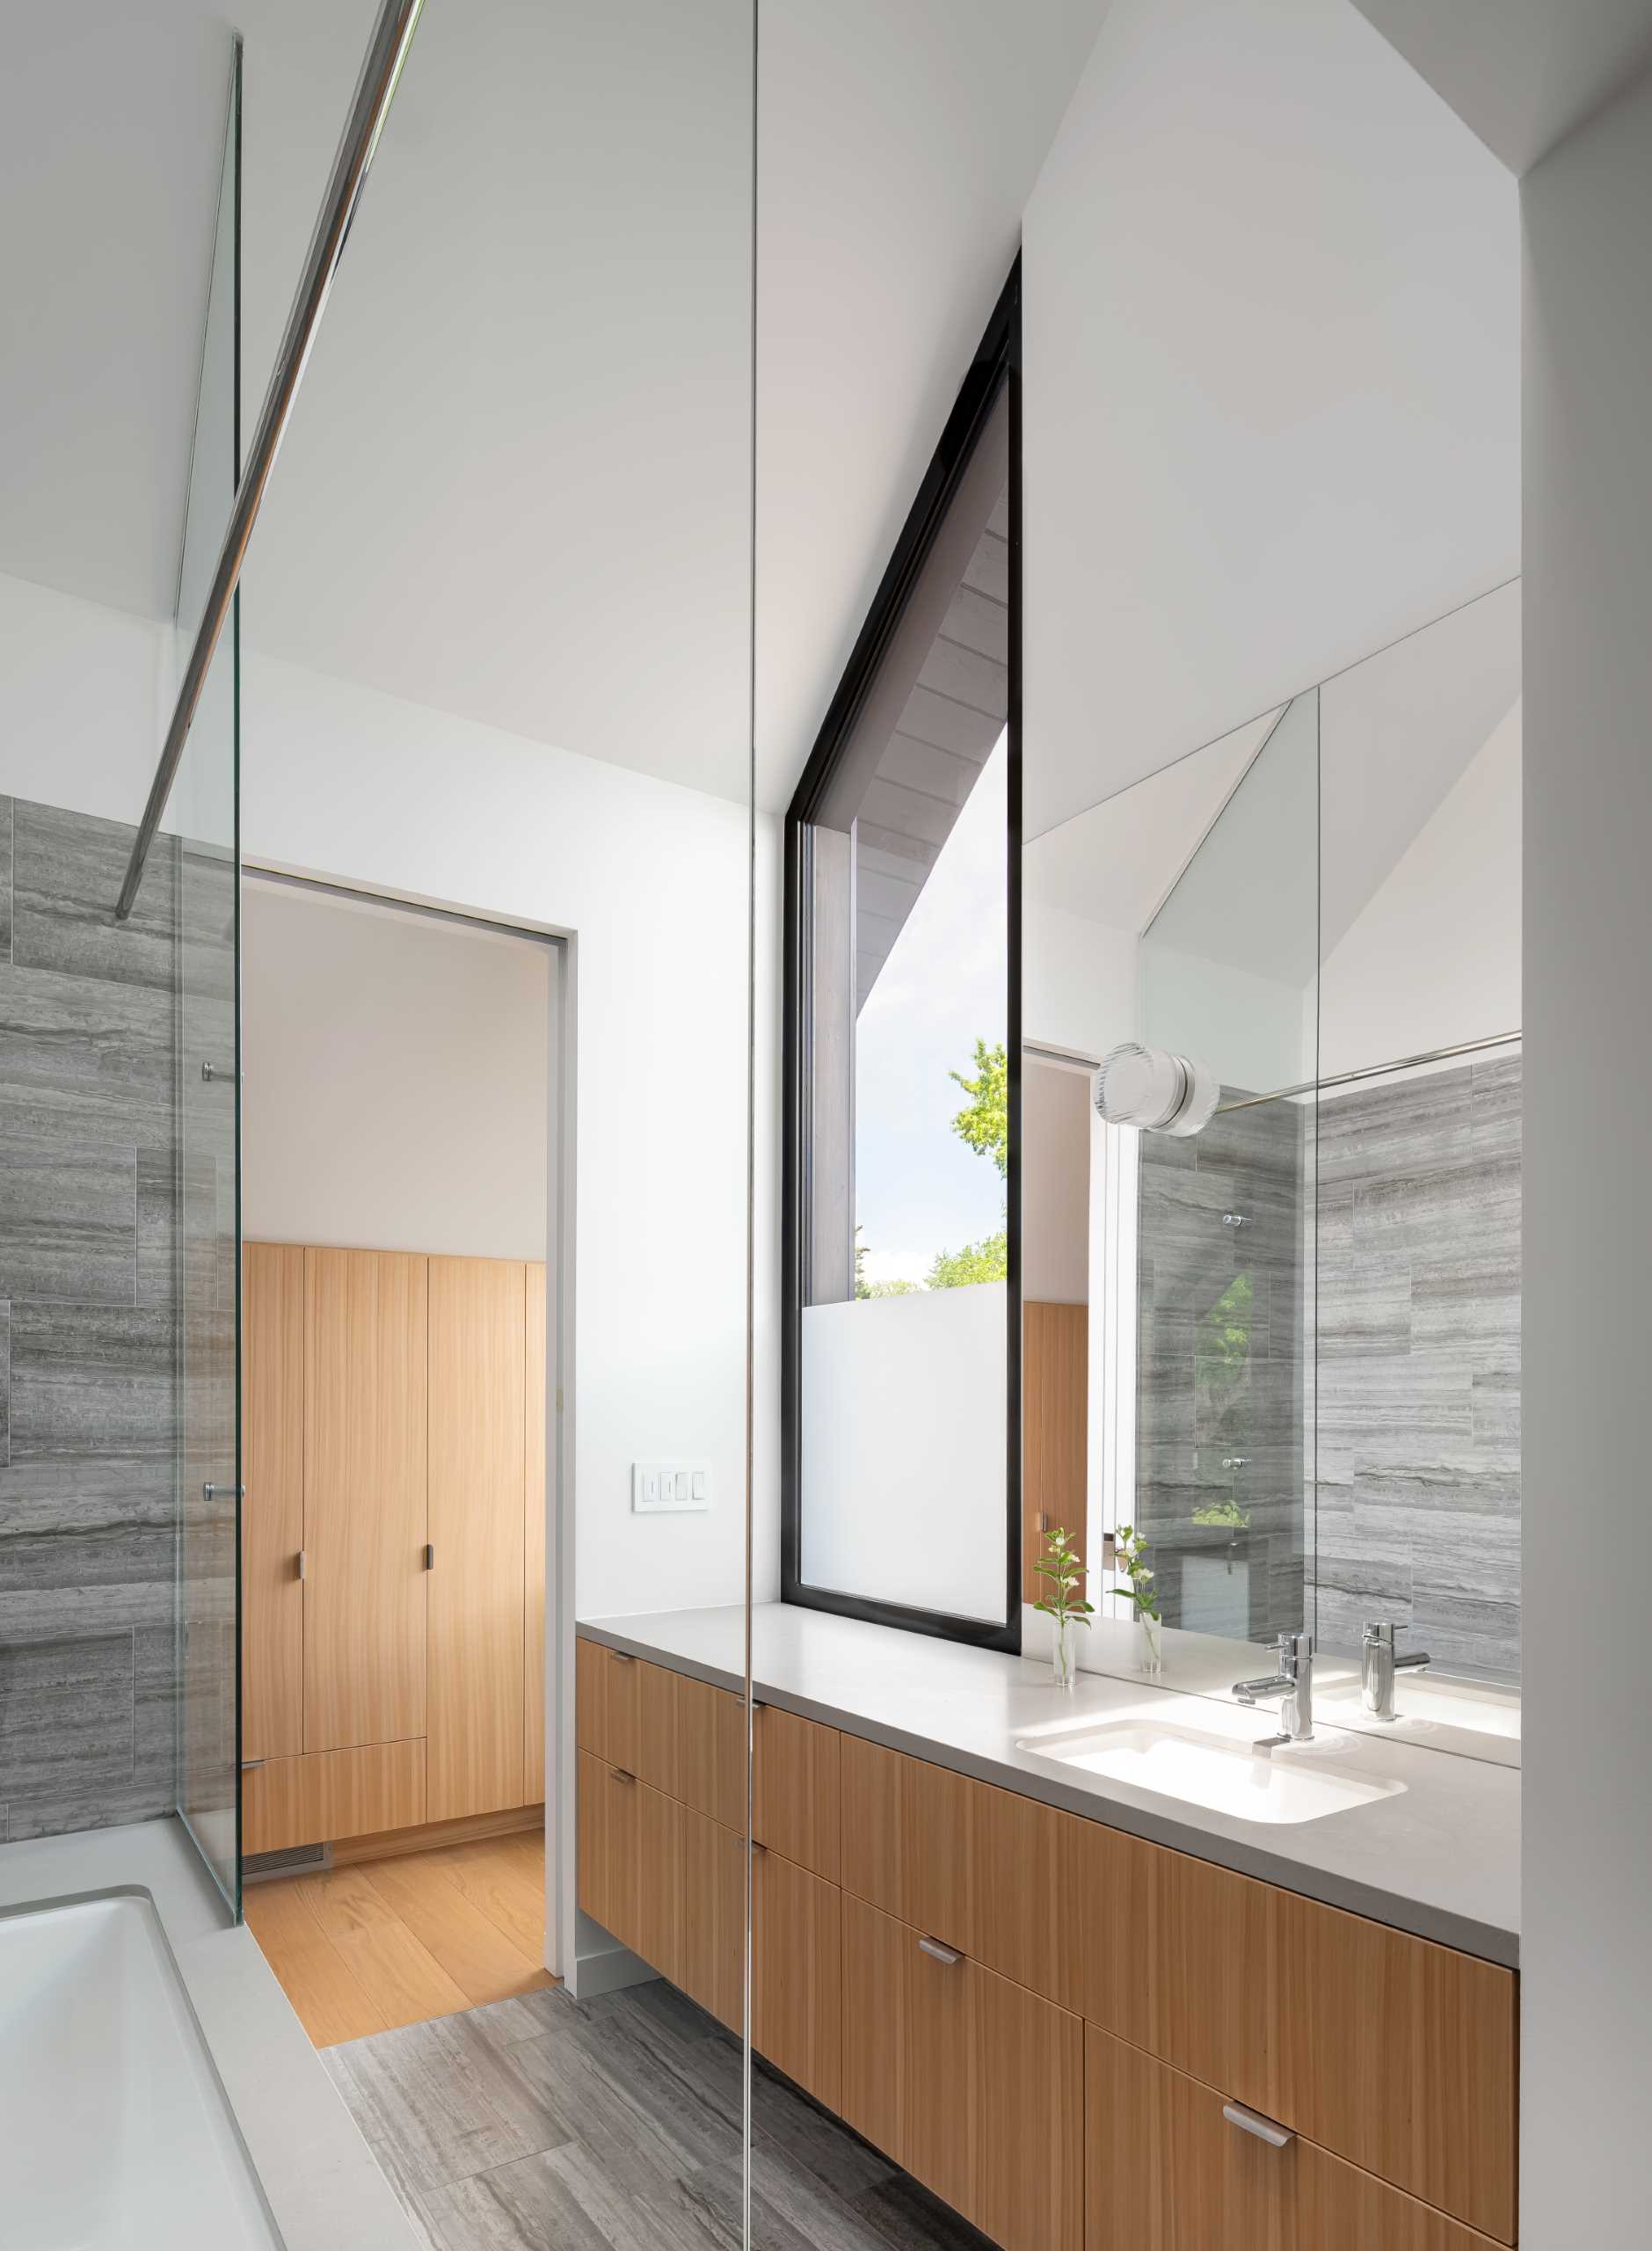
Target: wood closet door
x: 272, y: 1512
x: 478, y: 1479
x: 364, y: 1497
x: 534, y: 1543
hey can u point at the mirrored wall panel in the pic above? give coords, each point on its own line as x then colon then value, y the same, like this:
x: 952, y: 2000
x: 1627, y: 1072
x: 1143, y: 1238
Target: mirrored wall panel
x: 1271, y: 1222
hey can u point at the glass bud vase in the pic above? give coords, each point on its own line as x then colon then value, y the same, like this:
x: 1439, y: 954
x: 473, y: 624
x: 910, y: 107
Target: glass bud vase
x: 1062, y: 1653
x: 1150, y: 1640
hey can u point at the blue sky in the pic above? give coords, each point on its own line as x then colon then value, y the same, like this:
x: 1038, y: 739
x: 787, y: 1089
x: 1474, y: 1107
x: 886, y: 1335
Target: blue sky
x: 918, y: 1189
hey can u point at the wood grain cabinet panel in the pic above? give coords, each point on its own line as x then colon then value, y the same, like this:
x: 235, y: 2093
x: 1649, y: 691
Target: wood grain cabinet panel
x: 1177, y: 1956
x: 797, y: 1974
x: 796, y: 1790
x: 657, y: 1933
x: 326, y: 1793
x: 1400, y: 2056
x: 874, y: 2060
x: 534, y: 1521
x: 591, y: 1697
x: 477, y: 1484
x: 714, y: 1917
x: 1024, y: 1892
x: 1165, y: 2170
x: 365, y: 1496
x: 591, y: 1838
x: 870, y: 1787
x: 272, y: 1511
x: 941, y: 2119
x: 712, y: 1749
x: 904, y: 1841
x: 625, y: 1708
x: 659, y: 1729
x: 1027, y: 2190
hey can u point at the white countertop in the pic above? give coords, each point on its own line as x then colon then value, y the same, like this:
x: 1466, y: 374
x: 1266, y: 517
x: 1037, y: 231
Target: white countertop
x: 324, y: 2186
x: 1440, y: 1858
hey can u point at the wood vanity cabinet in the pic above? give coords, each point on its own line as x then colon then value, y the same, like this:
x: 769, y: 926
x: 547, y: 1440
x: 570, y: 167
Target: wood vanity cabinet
x: 972, y: 2083
x: 1081, y: 2041
x: 1167, y: 2167
x: 392, y: 1586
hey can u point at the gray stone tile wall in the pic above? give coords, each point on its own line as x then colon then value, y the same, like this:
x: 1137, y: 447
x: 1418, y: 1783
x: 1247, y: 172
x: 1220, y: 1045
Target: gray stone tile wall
x: 1221, y: 1368
x: 88, y: 1331
x: 1418, y: 1469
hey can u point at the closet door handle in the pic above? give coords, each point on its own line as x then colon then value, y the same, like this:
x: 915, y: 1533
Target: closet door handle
x: 936, y: 1952
x: 304, y: 1564
x: 1252, y: 2121
x: 430, y: 1554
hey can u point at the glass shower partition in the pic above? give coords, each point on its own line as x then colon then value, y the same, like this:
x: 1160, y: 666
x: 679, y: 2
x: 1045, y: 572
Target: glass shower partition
x: 201, y: 840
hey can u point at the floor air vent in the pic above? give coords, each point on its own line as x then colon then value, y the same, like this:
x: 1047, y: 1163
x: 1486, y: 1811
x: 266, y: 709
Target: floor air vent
x: 297, y: 1860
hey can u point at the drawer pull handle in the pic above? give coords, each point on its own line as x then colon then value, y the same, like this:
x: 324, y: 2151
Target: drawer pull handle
x: 621, y: 1657
x: 936, y: 1952
x: 621, y: 1774
x: 1252, y: 2121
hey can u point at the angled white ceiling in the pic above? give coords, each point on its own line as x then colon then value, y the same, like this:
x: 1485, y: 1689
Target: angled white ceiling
x: 1273, y: 373
x: 517, y: 484
x: 1519, y: 73
x: 112, y: 132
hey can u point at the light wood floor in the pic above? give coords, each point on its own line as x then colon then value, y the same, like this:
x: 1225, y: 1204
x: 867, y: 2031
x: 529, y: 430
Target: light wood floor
x: 384, y: 1943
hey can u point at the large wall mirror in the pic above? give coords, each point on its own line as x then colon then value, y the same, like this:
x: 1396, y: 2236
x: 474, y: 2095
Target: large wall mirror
x: 1272, y: 1337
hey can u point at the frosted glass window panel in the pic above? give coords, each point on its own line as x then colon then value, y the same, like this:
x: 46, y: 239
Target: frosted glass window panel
x: 904, y: 1438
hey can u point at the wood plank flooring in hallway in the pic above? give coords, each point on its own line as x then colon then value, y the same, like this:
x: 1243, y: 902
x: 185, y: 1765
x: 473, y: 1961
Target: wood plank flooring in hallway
x: 383, y: 1943
x: 614, y: 2125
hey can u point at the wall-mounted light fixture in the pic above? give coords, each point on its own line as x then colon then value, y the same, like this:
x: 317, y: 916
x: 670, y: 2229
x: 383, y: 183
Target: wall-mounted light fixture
x: 1151, y: 1089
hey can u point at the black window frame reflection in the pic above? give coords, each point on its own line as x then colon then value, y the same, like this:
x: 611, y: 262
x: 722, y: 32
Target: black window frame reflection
x: 995, y: 375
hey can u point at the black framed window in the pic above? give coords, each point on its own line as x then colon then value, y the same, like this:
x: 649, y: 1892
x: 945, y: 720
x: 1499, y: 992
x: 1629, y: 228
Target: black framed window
x: 901, y: 1460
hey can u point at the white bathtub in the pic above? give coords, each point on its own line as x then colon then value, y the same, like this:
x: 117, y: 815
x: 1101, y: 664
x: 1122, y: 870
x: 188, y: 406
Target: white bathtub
x: 114, y: 2132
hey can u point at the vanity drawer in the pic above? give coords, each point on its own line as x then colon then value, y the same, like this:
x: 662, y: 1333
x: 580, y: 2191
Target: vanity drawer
x: 1395, y: 2053
x: 1167, y: 2169
x: 797, y: 1974
x: 627, y: 1711
x: 906, y: 1840
x: 795, y: 1781
x: 321, y: 1795
x: 712, y: 1751
x: 631, y: 1862
x: 968, y: 2082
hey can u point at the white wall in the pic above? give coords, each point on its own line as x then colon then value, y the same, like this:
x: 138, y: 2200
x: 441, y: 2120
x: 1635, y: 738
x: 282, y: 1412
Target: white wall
x: 903, y: 1449
x: 1586, y: 1953
x: 342, y: 780
x: 398, y: 1092
x: 1433, y: 957
x: 83, y: 700
x: 1272, y: 395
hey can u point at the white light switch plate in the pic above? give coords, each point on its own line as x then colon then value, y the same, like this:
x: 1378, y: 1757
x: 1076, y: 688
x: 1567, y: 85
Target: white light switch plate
x: 666, y: 1488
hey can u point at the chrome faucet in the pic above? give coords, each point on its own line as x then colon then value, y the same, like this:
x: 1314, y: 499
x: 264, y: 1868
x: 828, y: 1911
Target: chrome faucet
x: 1378, y: 1666
x: 1294, y: 1682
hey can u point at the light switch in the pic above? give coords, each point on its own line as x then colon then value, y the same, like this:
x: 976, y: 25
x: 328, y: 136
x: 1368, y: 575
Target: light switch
x: 659, y: 1488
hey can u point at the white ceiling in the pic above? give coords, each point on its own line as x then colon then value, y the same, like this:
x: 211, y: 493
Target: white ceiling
x: 111, y: 126
x: 1273, y: 380
x: 1520, y: 73
x: 516, y: 486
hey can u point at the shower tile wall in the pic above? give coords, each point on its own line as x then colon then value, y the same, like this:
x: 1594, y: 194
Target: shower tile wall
x: 1223, y: 1372
x: 1419, y: 1373
x: 87, y: 1201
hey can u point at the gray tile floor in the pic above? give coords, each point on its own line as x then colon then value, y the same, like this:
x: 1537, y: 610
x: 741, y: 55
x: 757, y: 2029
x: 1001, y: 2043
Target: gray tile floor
x: 614, y: 2125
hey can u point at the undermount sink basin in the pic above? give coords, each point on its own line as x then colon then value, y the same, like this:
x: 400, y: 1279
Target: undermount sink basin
x: 1290, y: 1784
